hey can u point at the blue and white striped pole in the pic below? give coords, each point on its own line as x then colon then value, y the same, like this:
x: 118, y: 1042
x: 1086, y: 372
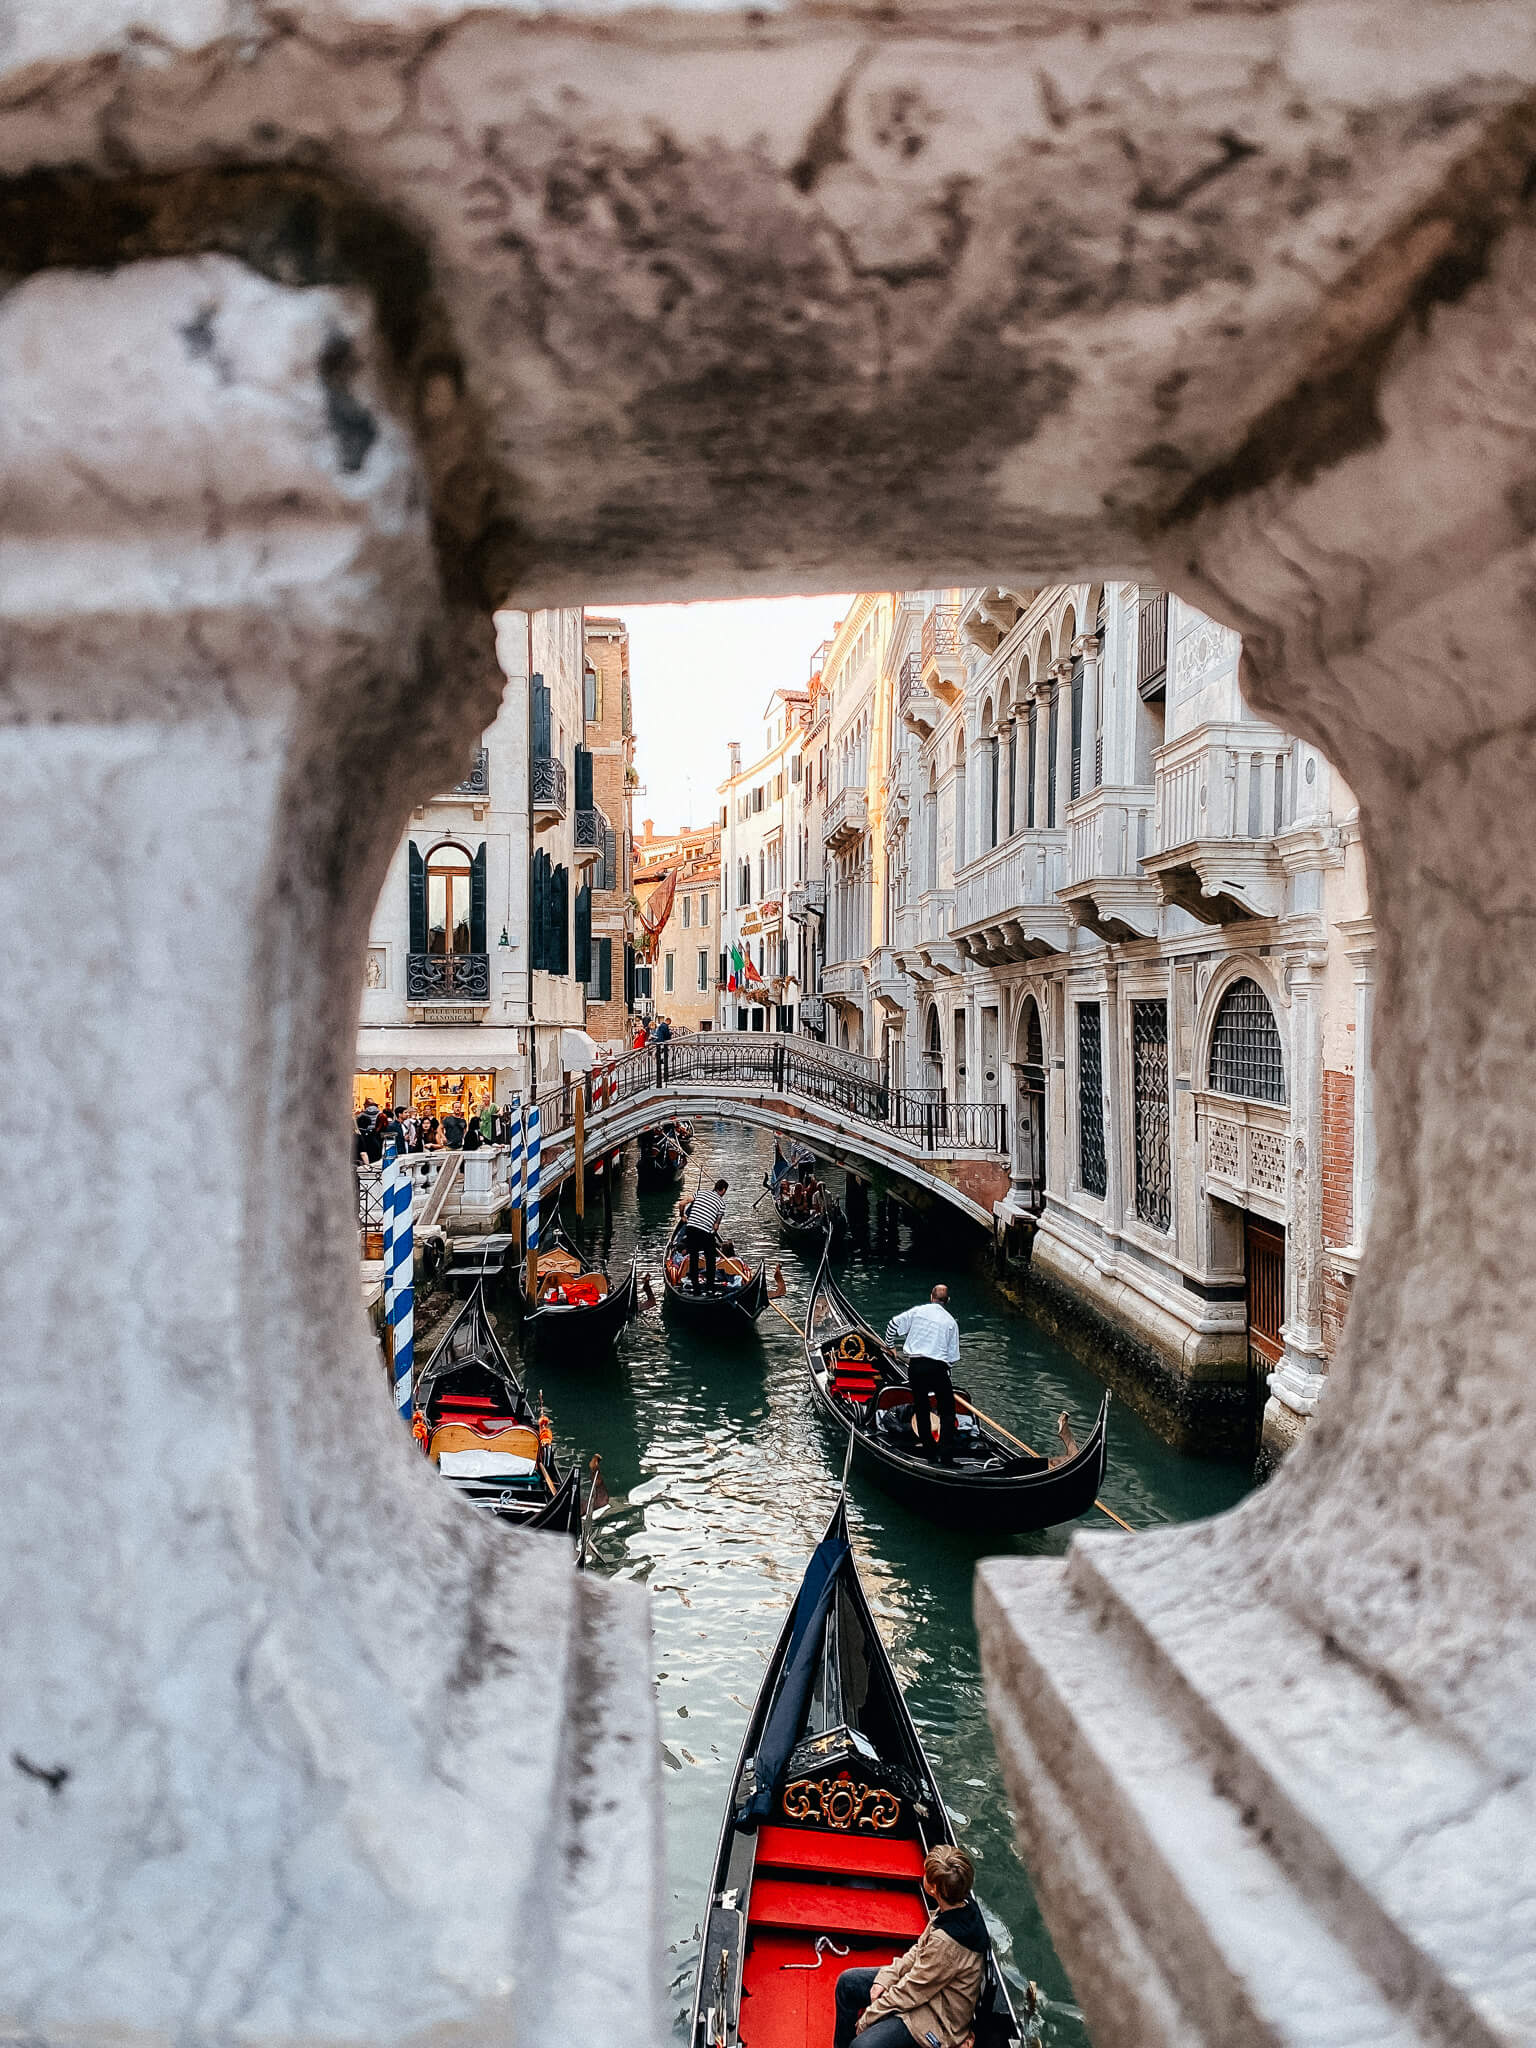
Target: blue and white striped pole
x: 534, y: 1178
x: 515, y: 1156
x: 400, y: 1297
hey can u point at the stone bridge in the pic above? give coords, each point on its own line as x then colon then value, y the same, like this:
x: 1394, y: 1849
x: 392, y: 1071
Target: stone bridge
x: 955, y: 1152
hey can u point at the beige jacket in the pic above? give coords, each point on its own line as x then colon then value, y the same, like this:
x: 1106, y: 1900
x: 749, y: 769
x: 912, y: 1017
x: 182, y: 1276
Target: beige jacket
x: 934, y: 1987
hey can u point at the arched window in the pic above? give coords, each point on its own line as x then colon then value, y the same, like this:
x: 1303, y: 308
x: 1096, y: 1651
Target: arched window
x: 1034, y: 1037
x: 448, y: 909
x: 1246, y: 1059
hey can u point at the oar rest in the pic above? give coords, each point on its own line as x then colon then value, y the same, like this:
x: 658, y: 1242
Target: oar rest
x: 516, y: 1439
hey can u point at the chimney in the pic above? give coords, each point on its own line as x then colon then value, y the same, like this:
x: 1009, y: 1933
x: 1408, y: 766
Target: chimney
x: 735, y: 753
x: 647, y: 828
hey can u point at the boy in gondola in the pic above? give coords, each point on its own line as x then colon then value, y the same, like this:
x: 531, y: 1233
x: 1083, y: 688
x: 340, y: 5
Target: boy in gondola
x: 926, y: 1998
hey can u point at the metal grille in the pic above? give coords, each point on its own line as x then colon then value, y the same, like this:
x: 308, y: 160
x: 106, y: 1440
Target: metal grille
x: 1246, y: 1060
x: 1154, y: 1177
x: 1092, y: 1172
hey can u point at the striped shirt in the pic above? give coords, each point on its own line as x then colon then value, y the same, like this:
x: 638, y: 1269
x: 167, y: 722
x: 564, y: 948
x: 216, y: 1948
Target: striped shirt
x: 706, y: 1211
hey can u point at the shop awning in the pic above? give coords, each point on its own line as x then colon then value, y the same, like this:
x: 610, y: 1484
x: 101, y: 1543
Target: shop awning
x: 431, y: 1047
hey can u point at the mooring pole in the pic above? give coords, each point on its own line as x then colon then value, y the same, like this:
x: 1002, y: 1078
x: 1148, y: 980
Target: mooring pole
x: 581, y: 1147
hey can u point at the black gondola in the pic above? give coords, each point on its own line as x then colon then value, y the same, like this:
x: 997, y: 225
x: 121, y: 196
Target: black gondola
x: 833, y: 1807
x: 803, y: 1225
x: 470, y: 1407
x: 661, y: 1161
x: 576, y: 1311
x: 859, y: 1382
x: 740, y: 1288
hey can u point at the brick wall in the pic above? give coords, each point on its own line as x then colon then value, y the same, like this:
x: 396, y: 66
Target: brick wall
x: 611, y: 748
x: 1338, y: 1158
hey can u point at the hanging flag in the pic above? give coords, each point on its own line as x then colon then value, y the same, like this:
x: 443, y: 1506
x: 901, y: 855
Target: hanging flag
x: 399, y: 1276
x: 515, y: 1156
x: 533, y: 1180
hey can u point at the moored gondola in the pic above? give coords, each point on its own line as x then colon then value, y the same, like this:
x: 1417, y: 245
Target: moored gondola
x: 576, y: 1311
x: 859, y: 1383
x: 806, y: 1211
x: 661, y: 1160
x: 832, y: 1809
x: 473, y: 1419
x: 740, y: 1289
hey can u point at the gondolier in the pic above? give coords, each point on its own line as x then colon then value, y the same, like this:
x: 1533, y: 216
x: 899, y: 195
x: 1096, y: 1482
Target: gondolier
x: 703, y: 1217
x: 930, y: 1336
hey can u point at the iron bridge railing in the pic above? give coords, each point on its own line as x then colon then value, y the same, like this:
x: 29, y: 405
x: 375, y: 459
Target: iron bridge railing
x: 925, y: 1119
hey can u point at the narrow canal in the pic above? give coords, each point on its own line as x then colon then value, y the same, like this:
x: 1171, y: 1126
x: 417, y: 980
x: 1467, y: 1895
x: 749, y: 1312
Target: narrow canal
x: 722, y: 1479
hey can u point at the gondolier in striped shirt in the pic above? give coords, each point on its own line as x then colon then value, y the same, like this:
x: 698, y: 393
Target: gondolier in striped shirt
x: 703, y: 1217
x: 930, y: 1336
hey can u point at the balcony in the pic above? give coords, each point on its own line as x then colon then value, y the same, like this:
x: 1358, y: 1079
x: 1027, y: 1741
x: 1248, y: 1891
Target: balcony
x: 943, y: 662
x: 1220, y: 800
x: 1006, y: 902
x: 813, y: 1015
x: 451, y: 979
x: 807, y: 899
x: 1110, y: 831
x: 887, y: 983
x: 846, y: 820
x: 843, y: 979
x: 916, y: 707
x: 476, y: 786
x: 590, y: 826
x: 547, y: 791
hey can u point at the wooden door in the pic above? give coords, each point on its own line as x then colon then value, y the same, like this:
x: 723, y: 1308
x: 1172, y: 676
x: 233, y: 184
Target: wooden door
x: 1264, y: 1262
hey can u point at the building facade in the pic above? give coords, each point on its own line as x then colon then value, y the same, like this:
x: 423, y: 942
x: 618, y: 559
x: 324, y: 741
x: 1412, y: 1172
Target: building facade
x: 680, y: 870
x: 479, y: 948
x: 610, y: 740
x: 1135, y: 913
x: 762, y: 852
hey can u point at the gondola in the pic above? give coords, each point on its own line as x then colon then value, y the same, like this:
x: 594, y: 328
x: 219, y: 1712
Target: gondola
x: 859, y: 1382
x: 740, y: 1288
x: 473, y: 1419
x: 576, y: 1311
x: 802, y: 1227
x: 833, y: 1807
x: 662, y: 1160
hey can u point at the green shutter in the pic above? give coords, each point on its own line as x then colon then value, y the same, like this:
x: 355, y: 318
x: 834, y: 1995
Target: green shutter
x: 418, y: 899
x: 477, y: 901
x: 541, y: 721
x: 583, y: 961
x: 604, y: 970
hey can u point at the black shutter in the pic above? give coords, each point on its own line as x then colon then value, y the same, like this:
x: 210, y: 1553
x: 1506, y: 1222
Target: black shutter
x: 538, y: 876
x: 724, y: 971
x: 610, y: 875
x: 418, y: 900
x: 1029, y: 787
x: 583, y: 962
x: 540, y: 719
x: 629, y: 976
x: 1077, y: 730
x: 477, y: 901
x: 560, y: 897
x: 1050, y: 760
x: 583, y: 779
x: 604, y: 970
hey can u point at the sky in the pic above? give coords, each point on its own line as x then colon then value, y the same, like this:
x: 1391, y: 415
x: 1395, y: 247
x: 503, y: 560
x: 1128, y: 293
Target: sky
x: 700, y: 676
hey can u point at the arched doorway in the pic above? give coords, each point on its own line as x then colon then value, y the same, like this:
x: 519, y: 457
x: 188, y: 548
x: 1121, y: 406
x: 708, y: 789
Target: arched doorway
x: 1029, y: 1118
x: 933, y: 1053
x: 1247, y: 1066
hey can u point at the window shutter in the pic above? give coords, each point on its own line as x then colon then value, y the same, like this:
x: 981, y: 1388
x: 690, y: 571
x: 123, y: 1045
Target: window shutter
x: 583, y: 962
x: 610, y: 876
x: 418, y: 900
x: 583, y: 779
x: 604, y: 970
x: 477, y: 901
x: 536, y: 910
x: 540, y: 718
x: 562, y: 902
x: 629, y: 976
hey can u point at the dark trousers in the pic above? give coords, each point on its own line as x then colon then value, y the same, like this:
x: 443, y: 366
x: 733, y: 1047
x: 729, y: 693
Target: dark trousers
x: 704, y: 1241
x: 853, y: 1990
x: 930, y: 1381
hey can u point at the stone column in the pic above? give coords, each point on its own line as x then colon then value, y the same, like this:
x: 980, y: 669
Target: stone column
x: 337, y: 1758
x: 1296, y: 1386
x: 1360, y: 951
x: 1086, y: 645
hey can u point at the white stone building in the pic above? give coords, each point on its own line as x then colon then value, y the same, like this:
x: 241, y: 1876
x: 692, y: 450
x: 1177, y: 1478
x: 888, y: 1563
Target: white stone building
x: 1135, y: 913
x: 478, y: 948
x: 762, y: 852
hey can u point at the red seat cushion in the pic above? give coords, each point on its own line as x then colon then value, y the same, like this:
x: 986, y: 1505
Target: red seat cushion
x: 793, y: 2008
x: 823, y: 1908
x: 808, y: 1849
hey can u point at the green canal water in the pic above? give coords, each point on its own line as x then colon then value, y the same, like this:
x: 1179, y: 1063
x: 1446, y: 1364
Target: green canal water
x: 722, y: 1479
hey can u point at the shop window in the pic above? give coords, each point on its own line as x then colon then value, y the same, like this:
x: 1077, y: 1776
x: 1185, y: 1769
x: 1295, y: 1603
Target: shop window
x: 1246, y: 1058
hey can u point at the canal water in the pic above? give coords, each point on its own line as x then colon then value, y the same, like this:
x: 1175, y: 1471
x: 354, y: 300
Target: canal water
x: 722, y: 1479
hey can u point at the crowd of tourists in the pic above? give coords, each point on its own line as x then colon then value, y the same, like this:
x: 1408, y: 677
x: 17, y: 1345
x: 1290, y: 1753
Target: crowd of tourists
x: 417, y: 1130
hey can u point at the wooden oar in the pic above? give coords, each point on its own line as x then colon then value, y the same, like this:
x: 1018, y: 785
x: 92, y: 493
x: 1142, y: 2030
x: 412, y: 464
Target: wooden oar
x: 998, y: 1430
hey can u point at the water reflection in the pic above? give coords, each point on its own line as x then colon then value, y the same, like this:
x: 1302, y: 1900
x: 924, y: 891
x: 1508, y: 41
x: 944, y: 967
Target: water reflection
x: 722, y: 1480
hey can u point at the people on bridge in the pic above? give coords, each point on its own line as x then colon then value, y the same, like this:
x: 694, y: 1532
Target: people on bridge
x: 930, y: 1336
x: 641, y: 1037
x: 926, y: 1998
x: 703, y: 1217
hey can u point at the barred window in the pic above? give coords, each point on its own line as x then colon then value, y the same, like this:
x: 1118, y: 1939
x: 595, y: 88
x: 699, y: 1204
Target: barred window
x: 1091, y: 1170
x: 1154, y: 1178
x: 1246, y: 1060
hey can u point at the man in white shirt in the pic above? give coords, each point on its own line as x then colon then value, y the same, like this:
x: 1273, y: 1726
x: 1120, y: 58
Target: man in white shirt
x: 930, y: 1336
